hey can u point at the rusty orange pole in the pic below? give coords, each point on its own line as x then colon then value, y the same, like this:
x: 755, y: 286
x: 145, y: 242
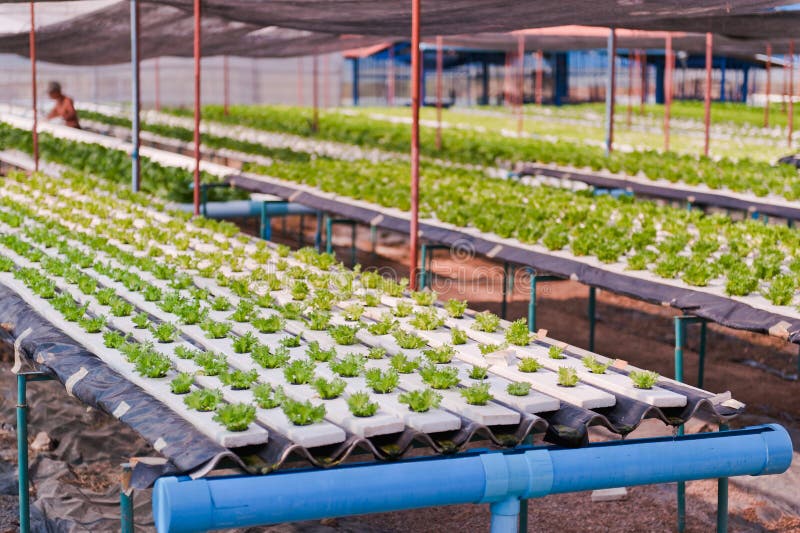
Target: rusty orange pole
x: 791, y: 92
x: 196, y: 107
x: 707, y: 117
x: 769, y: 83
x: 667, y: 89
x: 539, y: 74
x: 611, y: 89
x: 415, y: 82
x: 439, y: 68
x: 390, y: 77
x: 157, y: 84
x: 35, y: 132
x: 521, y: 83
x: 643, y: 72
x: 226, y: 85
x: 315, y: 93
x: 326, y: 65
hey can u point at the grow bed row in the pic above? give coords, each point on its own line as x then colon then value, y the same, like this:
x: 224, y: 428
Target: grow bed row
x: 726, y: 258
x: 238, y: 336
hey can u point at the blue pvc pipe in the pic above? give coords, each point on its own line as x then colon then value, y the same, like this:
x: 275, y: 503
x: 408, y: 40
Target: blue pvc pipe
x: 249, y: 208
x: 500, y: 478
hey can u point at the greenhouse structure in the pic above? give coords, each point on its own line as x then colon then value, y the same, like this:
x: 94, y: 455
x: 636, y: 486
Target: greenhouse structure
x: 399, y: 266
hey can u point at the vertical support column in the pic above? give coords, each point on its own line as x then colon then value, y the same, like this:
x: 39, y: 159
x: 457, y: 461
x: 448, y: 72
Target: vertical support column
x: 722, y: 84
x: 415, y: 86
x: 390, y: 77
x: 507, y: 270
x: 355, y: 81
x: 680, y: 333
x: 318, y: 233
x: 532, y: 301
x: 707, y: 102
x: 126, y: 500
x: 157, y: 83
x: 439, y: 68
x: 326, y: 66
x: 702, y: 354
x: 768, y: 88
x: 485, y: 83
x: 22, y: 452
x: 611, y: 88
x: 631, y: 65
x: 791, y: 93
x: 135, y: 96
x: 722, y: 497
x: 668, y: 64
x: 505, y: 516
x: 32, y: 44
x: 645, y: 89
x: 539, y: 75
x: 226, y: 85
x: 300, y: 82
x: 315, y: 92
x: 592, y: 318
x: 196, y: 107
x: 520, y: 83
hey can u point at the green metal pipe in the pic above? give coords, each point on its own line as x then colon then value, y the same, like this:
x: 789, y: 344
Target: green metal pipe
x: 592, y: 318
x: 532, y: 303
x: 722, y: 497
x: 126, y: 501
x: 702, y: 353
x: 504, y: 302
x: 22, y: 453
x: 680, y: 334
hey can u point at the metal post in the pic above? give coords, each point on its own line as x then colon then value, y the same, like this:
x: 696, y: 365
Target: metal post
x: 767, y: 66
x: 35, y: 132
x: 157, y: 83
x: 680, y: 333
x: 126, y: 500
x: 315, y: 92
x: 22, y: 453
x: 707, y: 116
x: 591, y: 311
x: 702, y: 354
x: 439, y: 68
x: 326, y: 66
x: 415, y: 85
x: 504, y: 302
x: 722, y: 497
x: 266, y: 223
x: 353, y: 233
x: 722, y: 84
x: 226, y: 86
x: 423, y: 271
x: 668, y: 59
x: 520, y: 83
x: 631, y: 64
x: 196, y: 107
x: 791, y: 92
x: 532, y: 301
x: 539, y: 75
x: 355, y: 81
x: 318, y: 232
x: 643, y: 69
x: 611, y: 87
x: 373, y: 239
x: 300, y: 83
x: 329, y: 235
x: 390, y: 77
x: 135, y: 96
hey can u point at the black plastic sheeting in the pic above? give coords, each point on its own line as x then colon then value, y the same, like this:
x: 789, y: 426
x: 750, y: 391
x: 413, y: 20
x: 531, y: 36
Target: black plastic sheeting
x: 724, y: 311
x: 672, y: 192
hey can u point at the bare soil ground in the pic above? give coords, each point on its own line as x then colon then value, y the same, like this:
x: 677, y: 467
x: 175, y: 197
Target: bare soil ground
x: 78, y: 480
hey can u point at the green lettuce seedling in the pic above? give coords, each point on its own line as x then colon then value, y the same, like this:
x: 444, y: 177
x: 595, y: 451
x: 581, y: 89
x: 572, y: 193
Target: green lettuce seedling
x: 152, y: 364
x: 424, y: 298
x: 113, y: 339
x: 441, y: 354
x: 141, y: 320
x: 403, y: 364
x: 266, y: 396
x: 402, y: 309
x: 292, y: 341
x: 458, y: 336
x: 211, y: 363
x: 328, y: 390
x: 360, y: 404
x: 203, y: 399
x: 349, y: 366
x: 643, y: 379
x: 384, y: 326
x: 303, y: 413
x: 245, y: 310
x: 376, y: 352
x: 556, y: 352
x: 182, y: 383
x: 567, y: 376
x: 427, y: 319
x: 486, y: 349
x: 235, y: 416
x: 479, y: 372
x: 353, y: 312
x: 239, y: 379
x: 421, y: 401
x: 487, y: 322
x: 216, y: 330
x: 382, y: 382
x: 518, y: 388
x: 595, y: 366
x: 265, y: 357
x: 164, y: 332
x: 293, y: 310
x: 440, y: 377
x: 299, y: 372
x: 528, y: 364
x: 92, y: 325
x: 518, y: 333
x: 455, y: 308
x: 315, y: 352
x: 270, y: 324
x: 344, y: 335
x: 318, y: 320
x: 407, y: 340
x: 477, y: 394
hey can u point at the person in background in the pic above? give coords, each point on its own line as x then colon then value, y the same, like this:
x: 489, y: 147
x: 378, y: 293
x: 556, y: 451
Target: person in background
x: 64, y: 108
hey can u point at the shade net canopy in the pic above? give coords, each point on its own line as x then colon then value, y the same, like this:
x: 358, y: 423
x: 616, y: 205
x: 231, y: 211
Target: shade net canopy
x: 96, y: 32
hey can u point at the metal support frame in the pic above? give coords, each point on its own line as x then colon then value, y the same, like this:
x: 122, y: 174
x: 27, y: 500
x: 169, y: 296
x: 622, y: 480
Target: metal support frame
x: 439, y: 68
x: 611, y: 88
x: 508, y: 287
x: 669, y: 61
x: 22, y: 445
x: 534, y: 279
x: 126, y: 500
x: 790, y: 118
x: 315, y: 92
x: 416, y: 67
x: 265, y: 222
x: 426, y: 259
x: 707, y: 100
x: 196, y: 171
x: 204, y: 187
x: 538, y: 88
x: 768, y: 89
x: 329, y: 223
x: 136, y: 100
x: 520, y: 100
x: 35, y: 130
x: 680, y: 342
x: 390, y: 77
x: 591, y: 306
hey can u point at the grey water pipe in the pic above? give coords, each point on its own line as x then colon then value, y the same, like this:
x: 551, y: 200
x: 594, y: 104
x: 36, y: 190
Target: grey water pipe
x: 499, y: 478
x: 248, y: 208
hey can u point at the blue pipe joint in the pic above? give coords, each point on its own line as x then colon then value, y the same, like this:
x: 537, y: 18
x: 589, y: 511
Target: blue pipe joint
x: 524, y: 475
